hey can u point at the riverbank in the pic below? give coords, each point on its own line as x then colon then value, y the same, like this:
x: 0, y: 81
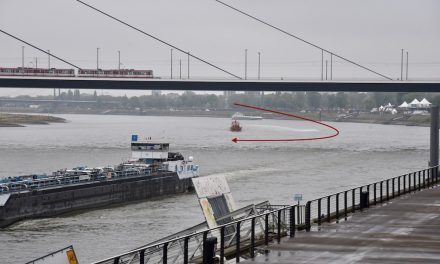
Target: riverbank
x: 20, y: 120
x: 331, y: 116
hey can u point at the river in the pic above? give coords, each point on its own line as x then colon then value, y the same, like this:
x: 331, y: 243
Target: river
x: 256, y: 172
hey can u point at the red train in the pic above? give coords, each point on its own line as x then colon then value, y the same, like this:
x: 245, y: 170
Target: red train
x: 125, y: 73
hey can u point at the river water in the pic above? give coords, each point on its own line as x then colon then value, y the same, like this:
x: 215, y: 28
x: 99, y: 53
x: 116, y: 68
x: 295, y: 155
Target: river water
x: 256, y: 172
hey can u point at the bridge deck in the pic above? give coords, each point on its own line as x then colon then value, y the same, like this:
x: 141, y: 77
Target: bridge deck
x: 406, y: 230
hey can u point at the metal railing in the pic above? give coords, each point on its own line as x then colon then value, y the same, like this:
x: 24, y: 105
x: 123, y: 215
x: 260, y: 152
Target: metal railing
x: 339, y: 205
x: 236, y: 239
x: 242, y: 237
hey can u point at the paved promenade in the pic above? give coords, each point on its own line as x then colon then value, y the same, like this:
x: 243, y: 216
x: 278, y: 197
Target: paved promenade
x: 405, y: 230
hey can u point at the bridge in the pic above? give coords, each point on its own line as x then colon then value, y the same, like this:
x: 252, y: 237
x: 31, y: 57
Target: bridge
x: 219, y: 84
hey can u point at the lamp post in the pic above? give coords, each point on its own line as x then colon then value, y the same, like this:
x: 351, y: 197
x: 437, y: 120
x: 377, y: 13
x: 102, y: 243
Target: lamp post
x: 171, y: 63
x: 22, y: 59
x: 259, y: 57
x: 119, y: 60
x: 245, y: 64
x: 97, y: 58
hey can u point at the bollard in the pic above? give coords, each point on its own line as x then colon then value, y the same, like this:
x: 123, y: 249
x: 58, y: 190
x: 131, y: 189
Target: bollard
x: 365, y: 200
x: 209, y: 248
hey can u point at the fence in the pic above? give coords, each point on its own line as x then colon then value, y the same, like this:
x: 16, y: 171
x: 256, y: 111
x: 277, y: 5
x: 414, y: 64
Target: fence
x: 337, y: 206
x: 236, y: 239
x: 242, y: 237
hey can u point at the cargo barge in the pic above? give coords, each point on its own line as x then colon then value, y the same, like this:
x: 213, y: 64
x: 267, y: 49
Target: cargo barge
x: 152, y: 171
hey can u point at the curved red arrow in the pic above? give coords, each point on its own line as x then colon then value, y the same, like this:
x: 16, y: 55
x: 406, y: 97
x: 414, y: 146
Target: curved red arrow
x: 235, y: 140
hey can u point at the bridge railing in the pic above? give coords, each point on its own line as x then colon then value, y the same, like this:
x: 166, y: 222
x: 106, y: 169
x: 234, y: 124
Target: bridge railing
x: 235, y: 239
x: 340, y: 205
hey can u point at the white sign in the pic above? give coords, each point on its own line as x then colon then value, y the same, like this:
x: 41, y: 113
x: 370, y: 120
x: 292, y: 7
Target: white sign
x: 298, y: 197
x: 210, y: 186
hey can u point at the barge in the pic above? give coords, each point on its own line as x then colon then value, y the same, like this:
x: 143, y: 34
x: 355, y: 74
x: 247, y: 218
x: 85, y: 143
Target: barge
x: 152, y: 171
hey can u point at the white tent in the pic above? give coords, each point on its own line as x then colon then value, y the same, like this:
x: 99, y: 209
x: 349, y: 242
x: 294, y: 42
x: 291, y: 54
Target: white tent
x: 389, y: 105
x: 381, y: 108
x: 415, y: 103
x: 424, y: 103
x: 404, y: 105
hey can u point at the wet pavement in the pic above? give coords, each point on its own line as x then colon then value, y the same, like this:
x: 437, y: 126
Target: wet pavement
x: 405, y: 230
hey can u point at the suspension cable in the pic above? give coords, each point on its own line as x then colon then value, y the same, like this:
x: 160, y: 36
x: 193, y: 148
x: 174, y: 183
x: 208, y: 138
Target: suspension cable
x: 301, y: 39
x: 158, y: 39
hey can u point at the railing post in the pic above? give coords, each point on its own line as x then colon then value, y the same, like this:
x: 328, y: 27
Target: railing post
x: 252, y: 253
x: 279, y: 227
x: 292, y: 221
x: 435, y: 174
x: 165, y: 253
x: 337, y: 207
x: 266, y: 229
x: 185, y: 250
x: 345, y: 205
x: 308, y: 216
x: 414, y: 181
x: 142, y: 257
x: 319, y: 211
x: 237, y: 243
x: 424, y: 180
x: 374, y: 193
x: 430, y: 172
x: 392, y: 189
x: 398, y: 186
x: 404, y: 183
x: 328, y: 208
x: 222, y: 243
x: 388, y: 190
x: 116, y: 260
x: 353, y: 200
x: 434, y: 135
x: 360, y: 198
x: 381, y: 191
x: 420, y: 181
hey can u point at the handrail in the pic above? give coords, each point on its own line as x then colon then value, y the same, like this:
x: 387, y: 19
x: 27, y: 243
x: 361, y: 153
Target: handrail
x: 194, y: 234
x: 412, y: 181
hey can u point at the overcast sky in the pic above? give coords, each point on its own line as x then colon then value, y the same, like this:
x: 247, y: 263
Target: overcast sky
x: 370, y: 32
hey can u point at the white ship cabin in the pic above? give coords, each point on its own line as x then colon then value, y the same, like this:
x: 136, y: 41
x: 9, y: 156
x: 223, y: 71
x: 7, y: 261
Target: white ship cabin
x: 150, y: 153
x: 158, y: 153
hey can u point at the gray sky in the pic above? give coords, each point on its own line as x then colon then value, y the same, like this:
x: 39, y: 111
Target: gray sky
x: 370, y: 32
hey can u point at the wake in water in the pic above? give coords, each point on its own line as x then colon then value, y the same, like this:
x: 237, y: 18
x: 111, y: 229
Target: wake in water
x: 272, y: 127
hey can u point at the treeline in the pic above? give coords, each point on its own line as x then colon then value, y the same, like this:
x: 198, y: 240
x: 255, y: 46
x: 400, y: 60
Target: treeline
x: 295, y: 101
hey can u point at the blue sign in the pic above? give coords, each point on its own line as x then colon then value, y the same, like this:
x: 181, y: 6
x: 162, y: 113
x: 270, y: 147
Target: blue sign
x: 134, y: 137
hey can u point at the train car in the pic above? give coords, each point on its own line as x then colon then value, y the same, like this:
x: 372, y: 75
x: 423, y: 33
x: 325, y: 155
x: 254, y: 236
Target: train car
x: 37, y: 72
x: 125, y: 73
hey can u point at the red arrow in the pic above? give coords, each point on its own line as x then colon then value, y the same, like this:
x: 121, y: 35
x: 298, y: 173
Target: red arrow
x: 235, y: 140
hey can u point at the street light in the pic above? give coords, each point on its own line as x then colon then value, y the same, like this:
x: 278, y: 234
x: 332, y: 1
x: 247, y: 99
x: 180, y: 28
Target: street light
x: 245, y: 64
x: 119, y: 60
x: 22, y: 59
x: 259, y: 55
x: 97, y: 58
